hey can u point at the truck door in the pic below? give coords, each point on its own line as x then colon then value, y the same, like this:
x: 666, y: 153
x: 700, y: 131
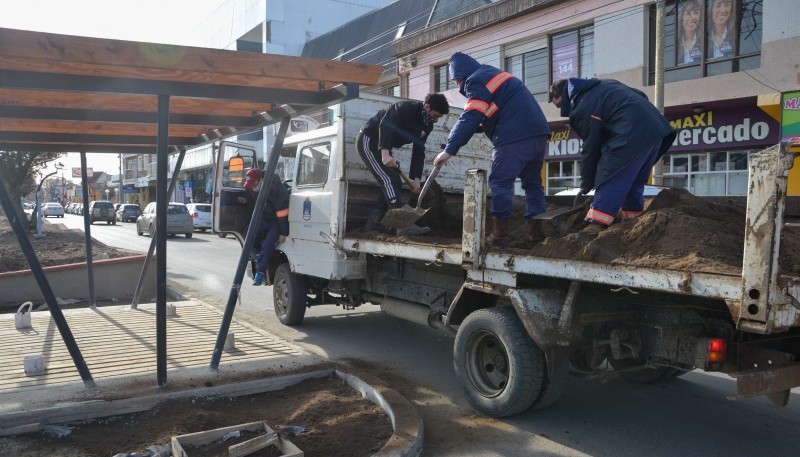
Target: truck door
x: 233, y: 161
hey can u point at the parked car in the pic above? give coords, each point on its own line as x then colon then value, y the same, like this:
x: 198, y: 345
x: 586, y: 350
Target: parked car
x: 102, y: 210
x: 79, y: 209
x: 128, y: 212
x: 178, y: 220
x: 201, y: 215
x: 52, y: 209
x: 649, y: 191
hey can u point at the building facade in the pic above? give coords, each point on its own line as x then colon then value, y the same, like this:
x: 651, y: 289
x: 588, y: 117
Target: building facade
x: 722, y: 83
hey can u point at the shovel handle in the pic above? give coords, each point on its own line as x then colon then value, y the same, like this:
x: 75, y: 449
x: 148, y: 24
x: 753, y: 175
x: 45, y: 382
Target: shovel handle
x: 577, y: 196
x: 408, y: 181
x: 428, y: 183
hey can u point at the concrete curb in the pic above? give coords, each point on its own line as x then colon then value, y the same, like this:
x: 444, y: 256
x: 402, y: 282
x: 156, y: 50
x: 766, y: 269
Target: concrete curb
x: 406, y: 441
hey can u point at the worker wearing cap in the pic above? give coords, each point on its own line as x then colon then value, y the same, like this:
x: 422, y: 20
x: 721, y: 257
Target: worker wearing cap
x: 501, y: 106
x: 274, y: 226
x: 623, y: 136
x: 402, y: 123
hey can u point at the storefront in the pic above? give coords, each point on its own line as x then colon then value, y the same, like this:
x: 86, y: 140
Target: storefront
x: 709, y: 155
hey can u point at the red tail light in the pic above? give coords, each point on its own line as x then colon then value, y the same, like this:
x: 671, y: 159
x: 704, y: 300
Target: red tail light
x: 711, y: 353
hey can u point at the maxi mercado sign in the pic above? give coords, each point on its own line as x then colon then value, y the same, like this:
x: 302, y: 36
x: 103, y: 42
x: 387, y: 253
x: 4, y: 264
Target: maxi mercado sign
x: 715, y: 129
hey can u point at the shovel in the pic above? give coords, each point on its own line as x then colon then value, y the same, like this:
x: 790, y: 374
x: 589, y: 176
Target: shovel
x: 561, y: 211
x: 405, y: 216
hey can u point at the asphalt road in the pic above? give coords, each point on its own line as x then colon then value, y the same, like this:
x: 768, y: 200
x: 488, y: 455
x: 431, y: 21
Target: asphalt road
x: 688, y: 416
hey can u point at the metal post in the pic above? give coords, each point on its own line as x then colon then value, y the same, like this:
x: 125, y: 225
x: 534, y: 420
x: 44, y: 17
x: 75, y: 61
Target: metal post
x: 161, y: 239
x: 269, y: 173
x: 87, y: 230
x: 659, y: 57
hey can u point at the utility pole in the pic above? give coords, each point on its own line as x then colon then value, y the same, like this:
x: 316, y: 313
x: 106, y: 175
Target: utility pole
x: 659, y: 70
x: 659, y: 57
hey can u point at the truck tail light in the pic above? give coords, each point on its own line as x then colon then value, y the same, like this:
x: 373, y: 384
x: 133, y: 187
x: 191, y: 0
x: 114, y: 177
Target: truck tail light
x: 194, y: 214
x: 711, y: 353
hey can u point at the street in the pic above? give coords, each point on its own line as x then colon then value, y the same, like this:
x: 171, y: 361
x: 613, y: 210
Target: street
x: 686, y: 416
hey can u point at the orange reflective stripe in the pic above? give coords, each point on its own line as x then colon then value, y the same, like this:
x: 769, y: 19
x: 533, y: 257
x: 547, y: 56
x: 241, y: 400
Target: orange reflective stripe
x: 600, y: 217
x: 492, y: 109
x: 282, y: 213
x: 497, y: 81
x: 628, y: 215
x: 477, y: 105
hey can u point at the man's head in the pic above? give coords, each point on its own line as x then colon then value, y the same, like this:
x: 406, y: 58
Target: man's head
x: 557, y: 92
x: 460, y: 67
x: 436, y: 105
x: 253, y: 177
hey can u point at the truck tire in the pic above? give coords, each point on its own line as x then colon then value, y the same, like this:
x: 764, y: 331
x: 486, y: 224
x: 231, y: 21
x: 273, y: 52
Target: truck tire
x: 289, y: 295
x: 500, y: 368
x: 553, y: 387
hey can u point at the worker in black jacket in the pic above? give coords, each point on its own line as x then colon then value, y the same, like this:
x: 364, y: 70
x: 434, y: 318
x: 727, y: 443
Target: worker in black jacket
x: 274, y: 226
x: 402, y: 123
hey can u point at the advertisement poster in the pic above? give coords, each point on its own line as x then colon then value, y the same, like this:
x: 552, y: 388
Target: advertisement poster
x: 565, y: 56
x: 790, y: 118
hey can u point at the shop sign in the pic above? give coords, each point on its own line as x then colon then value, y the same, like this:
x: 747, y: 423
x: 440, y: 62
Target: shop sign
x: 790, y: 117
x: 738, y: 128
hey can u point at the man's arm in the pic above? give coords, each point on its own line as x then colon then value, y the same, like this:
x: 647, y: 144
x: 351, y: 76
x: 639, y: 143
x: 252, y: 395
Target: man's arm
x: 592, y: 145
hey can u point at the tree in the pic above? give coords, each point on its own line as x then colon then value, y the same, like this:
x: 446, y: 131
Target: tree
x: 19, y: 170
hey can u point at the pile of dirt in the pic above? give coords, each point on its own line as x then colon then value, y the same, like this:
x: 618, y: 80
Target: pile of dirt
x: 336, y: 420
x: 677, y: 231
x: 58, y: 246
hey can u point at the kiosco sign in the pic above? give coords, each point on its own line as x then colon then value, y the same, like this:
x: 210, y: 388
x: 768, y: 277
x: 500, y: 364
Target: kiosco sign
x: 735, y: 128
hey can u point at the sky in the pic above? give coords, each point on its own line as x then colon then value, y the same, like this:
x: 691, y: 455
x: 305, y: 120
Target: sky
x: 157, y: 21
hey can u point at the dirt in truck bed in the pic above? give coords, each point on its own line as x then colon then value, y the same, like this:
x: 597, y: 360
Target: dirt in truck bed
x: 677, y: 231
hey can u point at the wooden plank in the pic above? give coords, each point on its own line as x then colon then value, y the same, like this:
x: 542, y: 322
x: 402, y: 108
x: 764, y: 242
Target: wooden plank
x: 75, y: 55
x: 253, y: 445
x: 132, y: 103
x: 99, y: 128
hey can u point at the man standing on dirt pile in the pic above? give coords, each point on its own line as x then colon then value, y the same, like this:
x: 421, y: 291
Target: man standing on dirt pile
x: 623, y: 136
x: 500, y: 105
x: 402, y: 123
x: 274, y: 226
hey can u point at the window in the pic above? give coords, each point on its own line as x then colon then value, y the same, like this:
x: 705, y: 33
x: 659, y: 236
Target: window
x: 562, y: 175
x: 707, y: 173
x: 313, y: 166
x: 706, y: 38
x: 394, y: 90
x: 441, y: 79
x: 571, y: 54
x: 531, y: 68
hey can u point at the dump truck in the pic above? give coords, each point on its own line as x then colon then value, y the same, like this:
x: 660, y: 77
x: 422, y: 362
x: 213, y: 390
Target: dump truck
x: 522, y: 322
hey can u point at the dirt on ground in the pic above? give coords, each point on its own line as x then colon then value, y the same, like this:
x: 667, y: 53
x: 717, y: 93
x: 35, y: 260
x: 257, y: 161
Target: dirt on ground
x: 322, y: 417
x: 58, y: 246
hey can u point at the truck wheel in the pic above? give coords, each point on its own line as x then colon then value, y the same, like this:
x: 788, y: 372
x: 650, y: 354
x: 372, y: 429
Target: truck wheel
x: 500, y: 368
x: 643, y: 376
x: 553, y: 387
x: 289, y: 295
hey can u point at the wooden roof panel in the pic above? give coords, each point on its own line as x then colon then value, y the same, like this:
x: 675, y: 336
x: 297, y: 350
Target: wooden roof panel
x: 89, y: 94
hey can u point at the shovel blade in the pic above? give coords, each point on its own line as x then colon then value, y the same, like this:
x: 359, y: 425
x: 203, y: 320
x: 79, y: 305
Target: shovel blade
x: 402, y: 217
x: 555, y: 212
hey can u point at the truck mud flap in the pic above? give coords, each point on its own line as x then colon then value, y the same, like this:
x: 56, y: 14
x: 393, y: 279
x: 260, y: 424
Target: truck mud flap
x: 773, y: 382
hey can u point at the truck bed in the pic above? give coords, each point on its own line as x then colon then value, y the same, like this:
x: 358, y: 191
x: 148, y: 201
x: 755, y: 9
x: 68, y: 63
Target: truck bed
x: 681, y: 243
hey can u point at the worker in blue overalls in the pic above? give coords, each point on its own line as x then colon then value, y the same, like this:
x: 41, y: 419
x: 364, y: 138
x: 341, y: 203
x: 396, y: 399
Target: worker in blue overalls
x: 623, y: 136
x: 501, y: 106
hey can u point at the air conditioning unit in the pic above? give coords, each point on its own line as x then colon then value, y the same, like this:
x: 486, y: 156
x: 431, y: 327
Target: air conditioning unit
x: 405, y: 64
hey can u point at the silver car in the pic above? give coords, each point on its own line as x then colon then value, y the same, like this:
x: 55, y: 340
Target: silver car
x: 201, y: 215
x: 178, y: 220
x: 52, y: 209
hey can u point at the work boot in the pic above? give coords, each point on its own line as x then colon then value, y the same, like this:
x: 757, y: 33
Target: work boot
x: 535, y: 234
x: 412, y: 230
x: 499, y: 235
x: 374, y: 221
